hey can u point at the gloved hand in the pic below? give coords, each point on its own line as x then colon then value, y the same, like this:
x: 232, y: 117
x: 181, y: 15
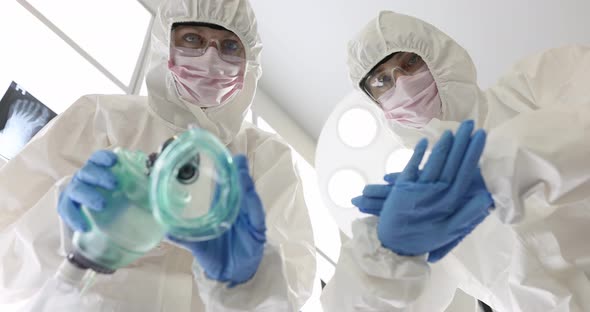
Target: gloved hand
x: 234, y: 257
x: 25, y: 119
x: 83, y: 189
x: 433, y: 210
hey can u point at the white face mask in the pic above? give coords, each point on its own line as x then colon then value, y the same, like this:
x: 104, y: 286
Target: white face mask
x: 206, y: 80
x: 414, y: 102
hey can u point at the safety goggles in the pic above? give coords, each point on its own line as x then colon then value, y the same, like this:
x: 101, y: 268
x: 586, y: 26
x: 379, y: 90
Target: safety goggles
x: 194, y: 43
x: 384, y: 76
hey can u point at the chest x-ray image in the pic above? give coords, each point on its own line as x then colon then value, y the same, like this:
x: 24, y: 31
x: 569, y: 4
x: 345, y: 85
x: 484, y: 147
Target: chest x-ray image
x: 21, y: 117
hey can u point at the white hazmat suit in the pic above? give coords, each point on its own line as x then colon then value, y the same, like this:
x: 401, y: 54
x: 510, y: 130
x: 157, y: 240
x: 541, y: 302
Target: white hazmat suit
x: 31, y: 243
x: 532, y: 253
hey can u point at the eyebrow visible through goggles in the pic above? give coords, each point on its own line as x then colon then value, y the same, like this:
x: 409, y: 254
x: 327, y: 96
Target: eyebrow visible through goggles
x: 362, y: 84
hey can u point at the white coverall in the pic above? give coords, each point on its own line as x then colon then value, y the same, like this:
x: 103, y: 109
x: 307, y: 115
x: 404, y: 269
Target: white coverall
x: 31, y: 246
x: 532, y: 253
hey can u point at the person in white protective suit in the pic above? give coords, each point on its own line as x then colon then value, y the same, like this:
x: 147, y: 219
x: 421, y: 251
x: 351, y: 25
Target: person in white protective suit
x: 32, y: 240
x: 532, y: 253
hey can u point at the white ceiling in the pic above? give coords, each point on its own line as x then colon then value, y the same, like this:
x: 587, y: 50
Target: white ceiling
x: 304, y: 56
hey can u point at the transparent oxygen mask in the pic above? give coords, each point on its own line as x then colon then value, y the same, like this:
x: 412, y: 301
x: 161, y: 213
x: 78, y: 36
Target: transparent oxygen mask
x: 189, y: 190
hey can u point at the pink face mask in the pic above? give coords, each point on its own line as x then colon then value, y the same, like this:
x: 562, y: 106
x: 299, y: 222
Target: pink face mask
x: 414, y: 101
x: 206, y: 80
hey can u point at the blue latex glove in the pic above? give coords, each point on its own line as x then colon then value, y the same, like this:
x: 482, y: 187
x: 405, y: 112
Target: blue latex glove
x: 84, y: 189
x: 374, y: 196
x: 234, y: 257
x: 433, y: 210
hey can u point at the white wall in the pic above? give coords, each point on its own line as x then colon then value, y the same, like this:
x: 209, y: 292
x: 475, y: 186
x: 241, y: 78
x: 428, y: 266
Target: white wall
x: 499, y: 33
x: 278, y: 119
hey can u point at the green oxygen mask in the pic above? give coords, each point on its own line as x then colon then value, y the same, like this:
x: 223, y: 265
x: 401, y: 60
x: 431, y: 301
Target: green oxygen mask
x: 190, y: 190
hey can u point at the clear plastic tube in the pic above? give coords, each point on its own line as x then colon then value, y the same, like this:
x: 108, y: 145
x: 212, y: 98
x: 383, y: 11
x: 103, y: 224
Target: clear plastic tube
x: 65, y: 291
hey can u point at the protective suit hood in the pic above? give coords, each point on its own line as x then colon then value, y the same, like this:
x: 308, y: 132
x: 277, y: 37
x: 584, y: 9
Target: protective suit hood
x: 237, y: 16
x: 449, y: 63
